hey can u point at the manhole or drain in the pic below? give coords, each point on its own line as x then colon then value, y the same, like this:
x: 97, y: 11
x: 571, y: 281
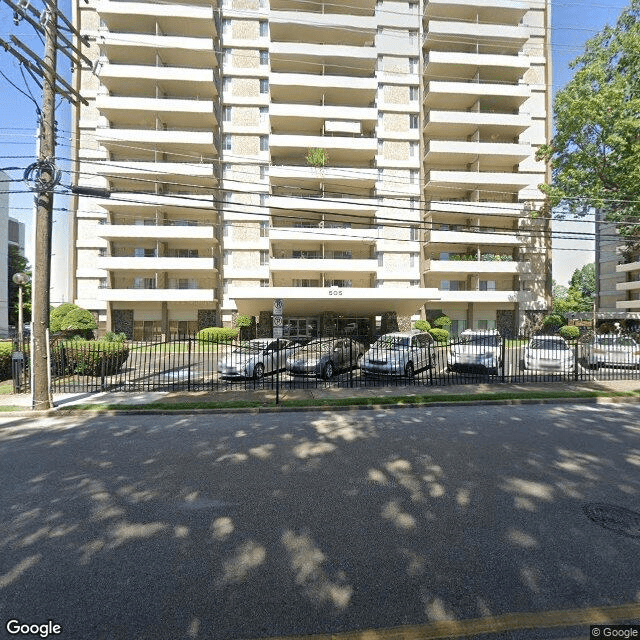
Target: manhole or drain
x: 617, y: 519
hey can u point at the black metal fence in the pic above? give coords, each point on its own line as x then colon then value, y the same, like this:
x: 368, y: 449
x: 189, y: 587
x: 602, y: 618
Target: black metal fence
x: 346, y: 361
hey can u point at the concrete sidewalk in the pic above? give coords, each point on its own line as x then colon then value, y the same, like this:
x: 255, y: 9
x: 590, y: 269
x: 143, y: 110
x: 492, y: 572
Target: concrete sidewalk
x: 267, y: 396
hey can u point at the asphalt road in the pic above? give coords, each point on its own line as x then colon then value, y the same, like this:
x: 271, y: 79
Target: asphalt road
x: 245, y: 526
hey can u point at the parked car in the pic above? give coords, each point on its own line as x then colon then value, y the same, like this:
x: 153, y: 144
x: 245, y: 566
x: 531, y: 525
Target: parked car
x: 549, y: 354
x: 324, y: 356
x: 400, y: 353
x: 477, y: 351
x: 613, y: 351
x: 254, y: 358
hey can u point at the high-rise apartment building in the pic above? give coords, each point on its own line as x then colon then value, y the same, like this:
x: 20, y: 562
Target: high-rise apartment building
x: 363, y: 163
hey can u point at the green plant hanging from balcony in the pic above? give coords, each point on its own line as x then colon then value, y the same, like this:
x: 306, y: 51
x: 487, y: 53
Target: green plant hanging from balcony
x: 317, y: 157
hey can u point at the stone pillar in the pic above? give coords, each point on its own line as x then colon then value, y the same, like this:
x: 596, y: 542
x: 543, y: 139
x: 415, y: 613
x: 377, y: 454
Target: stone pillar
x: 265, y: 325
x: 123, y: 322
x: 389, y: 322
x: 206, y: 318
x: 404, y: 323
x: 470, y: 315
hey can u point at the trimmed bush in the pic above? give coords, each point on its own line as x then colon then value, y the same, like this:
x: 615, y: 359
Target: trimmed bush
x: 439, y: 335
x: 569, y: 333
x: 110, y: 336
x: 6, y: 349
x: 217, y: 334
x: 421, y: 325
x: 93, y: 358
x: 553, y: 322
x: 70, y: 317
x: 442, y: 322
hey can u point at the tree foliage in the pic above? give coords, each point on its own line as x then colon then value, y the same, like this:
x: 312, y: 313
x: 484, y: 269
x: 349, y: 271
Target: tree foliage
x: 579, y: 296
x: 71, y: 317
x: 594, y: 153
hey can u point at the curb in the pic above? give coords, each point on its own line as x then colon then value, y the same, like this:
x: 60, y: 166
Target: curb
x: 353, y: 407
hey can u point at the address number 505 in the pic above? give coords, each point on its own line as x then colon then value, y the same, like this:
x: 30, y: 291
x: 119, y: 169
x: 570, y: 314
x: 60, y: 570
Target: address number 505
x: 335, y: 293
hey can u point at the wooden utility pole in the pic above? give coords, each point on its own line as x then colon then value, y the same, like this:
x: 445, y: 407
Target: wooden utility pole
x: 44, y: 216
x: 43, y: 175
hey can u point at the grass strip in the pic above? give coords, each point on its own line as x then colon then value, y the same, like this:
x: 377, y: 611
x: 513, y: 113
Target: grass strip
x: 341, y: 402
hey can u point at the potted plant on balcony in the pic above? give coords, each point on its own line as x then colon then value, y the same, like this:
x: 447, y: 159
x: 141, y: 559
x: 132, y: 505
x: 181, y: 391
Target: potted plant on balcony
x: 317, y: 157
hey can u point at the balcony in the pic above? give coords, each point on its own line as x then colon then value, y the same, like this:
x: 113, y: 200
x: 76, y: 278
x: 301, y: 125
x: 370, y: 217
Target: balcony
x: 471, y: 238
x: 134, y: 264
x: 152, y: 232
x: 476, y: 266
x: 356, y: 30
x: 459, y: 124
x: 179, y: 204
x: 318, y: 88
x: 518, y: 209
x: 331, y: 203
x: 192, y: 142
x: 323, y: 265
x: 333, y: 178
x: 461, y: 96
x: 441, y: 34
x: 317, y: 234
x: 498, y: 11
x: 197, y: 174
x: 487, y: 153
x: 465, y: 66
x: 157, y: 295
x: 341, y: 149
x: 486, y: 296
x: 628, y: 267
x: 461, y: 182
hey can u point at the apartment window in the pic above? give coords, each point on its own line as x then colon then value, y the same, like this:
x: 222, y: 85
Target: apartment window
x: 486, y: 325
x: 414, y: 234
x: 101, y: 252
x: 413, y: 65
x: 226, y: 85
x: 458, y: 326
x: 225, y: 257
x: 264, y: 143
x: 264, y: 229
x: 306, y: 283
x: 264, y: 28
x: 414, y: 283
x: 264, y: 258
x: 263, y: 199
x: 227, y: 197
x: 264, y: 283
x: 487, y: 285
x: 226, y: 27
x: 380, y: 258
x: 264, y: 173
x: 452, y: 285
x: 264, y: 57
x: 413, y: 176
x: 413, y: 121
x: 413, y: 36
x: 264, y: 85
x: 226, y: 143
x: 140, y: 252
x: 413, y: 93
x: 264, y: 115
x: 226, y: 114
x: 144, y: 283
x: 413, y: 259
x: 413, y: 149
x: 103, y: 283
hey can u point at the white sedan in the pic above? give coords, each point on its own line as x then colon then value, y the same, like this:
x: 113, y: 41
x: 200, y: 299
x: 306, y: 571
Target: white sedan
x: 254, y: 358
x: 613, y: 351
x: 550, y: 354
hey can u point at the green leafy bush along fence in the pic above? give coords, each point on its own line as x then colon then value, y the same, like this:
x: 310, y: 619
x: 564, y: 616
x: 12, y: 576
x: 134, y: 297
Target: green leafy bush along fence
x: 95, y: 359
x: 6, y: 350
x: 198, y: 364
x: 217, y: 334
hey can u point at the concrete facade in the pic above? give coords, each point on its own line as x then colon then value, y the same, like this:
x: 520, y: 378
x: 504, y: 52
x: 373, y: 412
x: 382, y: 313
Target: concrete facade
x: 201, y: 119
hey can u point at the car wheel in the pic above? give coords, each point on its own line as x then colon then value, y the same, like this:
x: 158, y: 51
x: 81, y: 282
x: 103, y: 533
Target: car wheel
x: 327, y: 372
x: 408, y: 370
x: 258, y: 371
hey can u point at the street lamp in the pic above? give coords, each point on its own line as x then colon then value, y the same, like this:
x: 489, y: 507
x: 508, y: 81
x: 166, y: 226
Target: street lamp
x: 21, y: 279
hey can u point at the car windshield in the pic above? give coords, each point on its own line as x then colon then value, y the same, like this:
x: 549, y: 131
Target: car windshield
x: 318, y: 346
x: 549, y: 345
x: 614, y: 341
x: 483, y: 341
x: 392, y: 342
x: 250, y: 347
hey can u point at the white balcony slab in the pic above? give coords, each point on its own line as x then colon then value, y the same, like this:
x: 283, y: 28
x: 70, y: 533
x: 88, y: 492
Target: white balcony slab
x: 120, y: 140
x: 321, y: 112
x: 506, y: 36
x: 628, y: 267
x: 330, y: 51
x: 486, y: 296
x: 137, y: 231
x: 296, y: 80
x: 474, y: 238
x: 477, y: 266
x: 202, y: 111
x: 158, y: 295
x: 300, y: 265
x: 353, y: 300
x: 628, y: 304
x: 135, y: 265
x: 355, y: 144
x: 482, y: 181
x: 460, y: 96
x: 155, y: 170
x: 455, y: 152
x: 315, y: 175
x: 482, y: 10
x: 322, y: 234
x: 298, y: 20
x: 126, y: 78
x: 181, y: 204
x: 465, y: 123
x: 504, y: 68
x: 332, y: 203
x: 628, y: 286
x: 478, y: 208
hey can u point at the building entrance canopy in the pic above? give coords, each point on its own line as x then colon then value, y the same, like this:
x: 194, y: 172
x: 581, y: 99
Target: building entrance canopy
x: 304, y: 301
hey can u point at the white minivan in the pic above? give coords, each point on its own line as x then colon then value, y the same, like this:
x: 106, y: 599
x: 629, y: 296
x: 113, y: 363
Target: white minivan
x: 399, y: 354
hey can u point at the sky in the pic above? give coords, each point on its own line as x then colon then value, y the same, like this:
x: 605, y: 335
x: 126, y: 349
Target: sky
x: 573, y: 22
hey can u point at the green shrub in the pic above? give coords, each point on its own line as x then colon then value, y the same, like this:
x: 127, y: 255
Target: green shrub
x: 244, y: 321
x: 421, y: 325
x: 111, y: 336
x: 95, y: 358
x: 439, y: 335
x: 217, y: 334
x: 553, y: 322
x: 70, y: 317
x: 569, y: 333
x: 6, y: 349
x: 442, y: 322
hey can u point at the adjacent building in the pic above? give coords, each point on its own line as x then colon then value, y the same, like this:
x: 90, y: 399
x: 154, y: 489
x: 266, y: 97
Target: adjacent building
x: 364, y: 163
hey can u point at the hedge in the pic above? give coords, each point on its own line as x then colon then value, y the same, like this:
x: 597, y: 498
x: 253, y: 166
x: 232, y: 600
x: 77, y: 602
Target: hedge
x: 421, y: 325
x: 6, y: 349
x: 569, y: 333
x: 217, y: 334
x: 94, y: 358
x: 439, y: 335
x: 553, y: 321
x: 442, y: 322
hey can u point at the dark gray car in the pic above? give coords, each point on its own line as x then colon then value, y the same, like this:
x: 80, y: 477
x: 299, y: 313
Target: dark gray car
x: 323, y: 357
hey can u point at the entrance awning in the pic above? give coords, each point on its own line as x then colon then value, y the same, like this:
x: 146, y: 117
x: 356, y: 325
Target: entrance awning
x: 309, y: 301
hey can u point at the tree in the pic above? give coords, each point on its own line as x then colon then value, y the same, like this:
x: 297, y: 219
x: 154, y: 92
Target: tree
x: 579, y: 296
x: 18, y: 263
x: 594, y: 153
x: 584, y: 280
x: 71, y: 317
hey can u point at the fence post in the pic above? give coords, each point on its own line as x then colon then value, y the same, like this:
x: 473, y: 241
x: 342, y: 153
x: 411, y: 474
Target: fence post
x: 103, y: 372
x: 189, y: 365
x: 575, y: 355
x: 277, y: 370
x: 350, y: 363
x: 429, y: 349
x: 503, y: 357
